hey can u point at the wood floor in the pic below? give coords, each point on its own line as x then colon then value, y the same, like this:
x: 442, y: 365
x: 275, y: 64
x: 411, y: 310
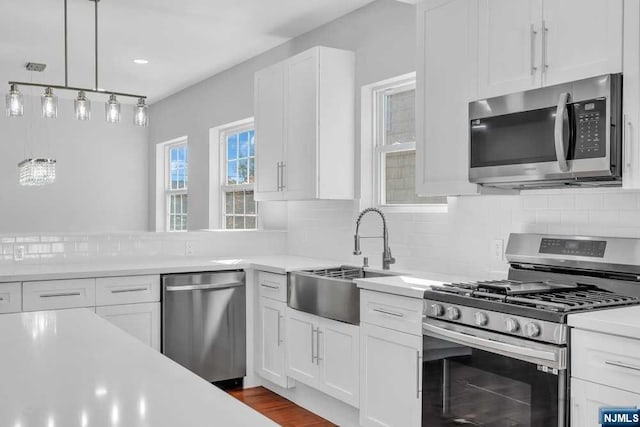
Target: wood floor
x: 279, y: 409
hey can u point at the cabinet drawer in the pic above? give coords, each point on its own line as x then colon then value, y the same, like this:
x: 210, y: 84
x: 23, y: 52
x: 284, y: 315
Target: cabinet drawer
x: 57, y: 294
x: 396, y: 312
x: 10, y: 298
x: 273, y: 286
x: 606, y: 359
x: 127, y: 290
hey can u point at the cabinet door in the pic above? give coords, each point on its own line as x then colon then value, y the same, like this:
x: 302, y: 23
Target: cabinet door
x: 268, y: 108
x: 446, y: 82
x: 301, y: 125
x: 509, y: 46
x: 583, y: 39
x: 272, y: 341
x: 10, y: 297
x: 139, y: 320
x: 587, y: 398
x: 338, y: 351
x: 631, y: 96
x: 390, y: 377
x: 301, y: 351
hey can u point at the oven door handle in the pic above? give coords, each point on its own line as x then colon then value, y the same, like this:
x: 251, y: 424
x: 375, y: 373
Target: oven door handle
x: 560, y: 143
x: 471, y: 340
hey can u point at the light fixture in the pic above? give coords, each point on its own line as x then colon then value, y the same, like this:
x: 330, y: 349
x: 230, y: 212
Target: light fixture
x: 49, y: 104
x: 112, y: 109
x: 140, y: 114
x: 141, y: 61
x: 82, y: 106
x: 15, y: 104
x: 37, y: 171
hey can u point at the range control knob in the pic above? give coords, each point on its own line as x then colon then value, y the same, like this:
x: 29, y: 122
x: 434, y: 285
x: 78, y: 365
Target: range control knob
x: 437, y: 310
x: 532, y: 330
x: 511, y: 325
x: 481, y: 318
x: 453, y: 313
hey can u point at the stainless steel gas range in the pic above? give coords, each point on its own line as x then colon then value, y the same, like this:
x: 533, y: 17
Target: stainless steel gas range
x: 496, y: 352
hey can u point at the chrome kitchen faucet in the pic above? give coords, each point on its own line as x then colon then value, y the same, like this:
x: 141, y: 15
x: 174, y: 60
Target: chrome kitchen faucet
x: 387, y: 258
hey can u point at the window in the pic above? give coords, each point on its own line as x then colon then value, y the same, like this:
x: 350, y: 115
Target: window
x: 176, y: 181
x: 395, y: 145
x: 240, y: 210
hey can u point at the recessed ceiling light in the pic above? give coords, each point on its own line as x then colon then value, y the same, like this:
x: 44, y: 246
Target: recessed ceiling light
x: 141, y: 61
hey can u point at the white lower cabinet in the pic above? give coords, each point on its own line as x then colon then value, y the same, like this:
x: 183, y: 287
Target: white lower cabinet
x: 271, y: 365
x: 139, y: 320
x: 323, y: 354
x: 390, y: 377
x: 10, y: 298
x: 587, y: 398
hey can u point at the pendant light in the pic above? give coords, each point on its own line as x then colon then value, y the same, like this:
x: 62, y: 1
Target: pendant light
x: 49, y: 104
x: 34, y: 172
x: 112, y: 110
x: 82, y: 106
x: 15, y: 102
x: 141, y: 114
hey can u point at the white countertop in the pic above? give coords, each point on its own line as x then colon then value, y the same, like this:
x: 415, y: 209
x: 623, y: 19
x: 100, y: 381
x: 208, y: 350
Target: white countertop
x: 21, y: 272
x: 412, y: 285
x: 624, y: 321
x: 71, y: 368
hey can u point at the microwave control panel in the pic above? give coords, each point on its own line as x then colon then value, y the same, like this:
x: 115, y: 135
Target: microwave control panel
x: 590, y: 129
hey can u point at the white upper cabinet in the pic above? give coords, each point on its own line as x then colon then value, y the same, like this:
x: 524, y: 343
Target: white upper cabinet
x: 583, y: 39
x: 631, y: 95
x: 509, y: 63
x: 525, y: 44
x: 446, y: 82
x: 304, y: 115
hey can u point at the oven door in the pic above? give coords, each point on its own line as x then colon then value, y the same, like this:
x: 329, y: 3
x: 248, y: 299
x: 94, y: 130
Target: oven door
x: 473, y: 377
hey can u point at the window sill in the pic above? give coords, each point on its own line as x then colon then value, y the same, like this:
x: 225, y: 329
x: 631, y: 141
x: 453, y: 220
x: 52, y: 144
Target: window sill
x: 443, y: 208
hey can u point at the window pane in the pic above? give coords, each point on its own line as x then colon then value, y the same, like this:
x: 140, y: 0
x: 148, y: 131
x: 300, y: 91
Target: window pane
x: 228, y: 203
x: 252, y: 171
x: 229, y: 222
x: 239, y: 202
x: 399, y: 174
x: 243, y: 142
x: 249, y: 203
x: 232, y: 147
x: 250, y: 222
x: 252, y: 143
x: 232, y: 172
x: 184, y: 204
x: 399, y: 117
x: 243, y: 170
x: 238, y: 222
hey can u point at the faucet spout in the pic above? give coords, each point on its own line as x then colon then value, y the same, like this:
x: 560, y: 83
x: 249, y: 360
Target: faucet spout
x: 387, y: 258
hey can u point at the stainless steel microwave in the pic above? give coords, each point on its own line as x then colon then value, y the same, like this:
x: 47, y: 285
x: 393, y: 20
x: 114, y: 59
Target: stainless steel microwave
x: 563, y: 135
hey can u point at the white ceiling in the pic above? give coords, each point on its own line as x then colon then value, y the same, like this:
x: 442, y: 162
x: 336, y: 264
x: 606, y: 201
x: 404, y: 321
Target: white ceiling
x: 185, y: 41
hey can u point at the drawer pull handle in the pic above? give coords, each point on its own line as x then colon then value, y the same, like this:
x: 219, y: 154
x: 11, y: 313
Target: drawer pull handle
x: 264, y: 285
x: 622, y: 365
x: 66, y: 294
x: 120, y: 291
x: 391, y: 313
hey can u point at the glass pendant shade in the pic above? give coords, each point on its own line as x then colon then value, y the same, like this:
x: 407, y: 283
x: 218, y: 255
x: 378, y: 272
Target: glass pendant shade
x: 82, y: 106
x: 49, y: 104
x: 141, y: 114
x: 35, y: 172
x: 15, y: 102
x: 112, y: 109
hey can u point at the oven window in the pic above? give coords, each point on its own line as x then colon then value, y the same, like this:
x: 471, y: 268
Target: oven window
x: 463, y: 386
x: 518, y: 138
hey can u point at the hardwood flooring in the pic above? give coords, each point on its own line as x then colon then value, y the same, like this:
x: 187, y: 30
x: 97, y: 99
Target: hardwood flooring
x: 278, y: 409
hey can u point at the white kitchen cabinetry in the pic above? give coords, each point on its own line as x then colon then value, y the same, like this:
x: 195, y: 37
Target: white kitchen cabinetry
x: 587, y: 398
x: 10, y: 298
x: 390, y: 360
x: 446, y: 82
x: 272, y: 342
x: 324, y: 354
x: 139, y: 320
x: 524, y: 44
x: 304, y: 118
x: 631, y: 95
x: 127, y: 290
x: 58, y: 294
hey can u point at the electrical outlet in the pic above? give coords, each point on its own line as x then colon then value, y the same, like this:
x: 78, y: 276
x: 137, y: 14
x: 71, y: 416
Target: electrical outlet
x: 497, y: 250
x: 18, y: 252
x: 188, y: 248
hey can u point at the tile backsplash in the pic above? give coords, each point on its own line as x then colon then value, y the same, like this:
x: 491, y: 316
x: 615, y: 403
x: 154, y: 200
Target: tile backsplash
x: 460, y: 241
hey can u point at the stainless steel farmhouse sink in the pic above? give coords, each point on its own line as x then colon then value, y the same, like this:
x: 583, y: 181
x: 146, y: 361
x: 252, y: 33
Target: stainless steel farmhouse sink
x: 330, y: 293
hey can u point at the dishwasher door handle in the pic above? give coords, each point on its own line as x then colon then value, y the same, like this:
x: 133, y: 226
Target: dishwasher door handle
x: 211, y: 286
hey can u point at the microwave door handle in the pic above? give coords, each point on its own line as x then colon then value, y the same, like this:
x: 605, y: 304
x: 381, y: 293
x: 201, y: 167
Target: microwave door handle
x: 560, y: 143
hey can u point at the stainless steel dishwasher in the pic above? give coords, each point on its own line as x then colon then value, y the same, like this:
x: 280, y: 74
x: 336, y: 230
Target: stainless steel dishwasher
x: 204, y: 323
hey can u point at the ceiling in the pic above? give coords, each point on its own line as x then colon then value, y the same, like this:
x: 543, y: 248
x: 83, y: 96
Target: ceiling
x: 185, y: 41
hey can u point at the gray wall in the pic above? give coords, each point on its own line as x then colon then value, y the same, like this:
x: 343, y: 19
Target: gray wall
x: 102, y: 172
x: 381, y: 34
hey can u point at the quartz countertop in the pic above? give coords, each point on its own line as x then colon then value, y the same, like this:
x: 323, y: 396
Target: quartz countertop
x: 72, y: 368
x: 21, y: 272
x: 412, y: 284
x: 623, y: 321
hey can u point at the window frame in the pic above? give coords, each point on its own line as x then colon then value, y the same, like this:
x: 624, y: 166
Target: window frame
x: 223, y: 133
x: 168, y: 191
x: 377, y: 93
